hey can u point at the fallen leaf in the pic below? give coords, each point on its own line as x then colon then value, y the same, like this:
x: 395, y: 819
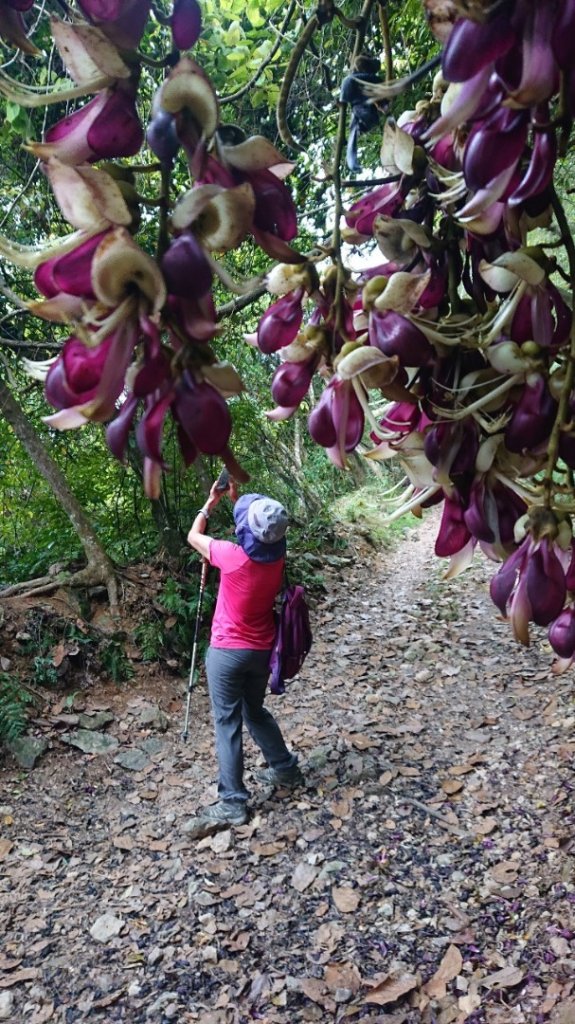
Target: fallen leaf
x: 303, y: 875
x: 7, y: 963
x: 42, y: 1015
x: 451, y: 786
x: 468, y: 1003
x: 563, y: 1013
x: 124, y: 843
x: 448, y: 969
x: 5, y: 847
x: 505, y: 871
x: 26, y: 974
x: 559, y: 945
x: 485, y: 826
x: 328, y: 936
x: 345, y: 899
x: 266, y: 849
x: 342, y: 975
x: 390, y: 989
x: 504, y: 978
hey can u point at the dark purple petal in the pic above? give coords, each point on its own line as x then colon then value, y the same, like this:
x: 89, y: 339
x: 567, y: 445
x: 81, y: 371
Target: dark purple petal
x: 539, y: 170
x: 123, y: 21
x: 387, y: 200
x: 320, y: 421
x: 281, y: 322
x: 546, y: 588
x: 452, y: 447
x: 117, y: 130
x: 150, y: 429
x: 563, y: 315
x: 532, y: 419
x: 275, y: 210
x: 401, y: 418
x: 349, y: 421
x: 186, y: 268
x: 69, y: 273
x: 494, y: 146
x: 154, y: 372
x: 502, y: 584
x: 562, y: 633
x: 564, y: 34
x: 291, y: 381
x: 186, y: 23
x: 453, y: 533
x: 118, y: 431
x: 471, y: 46
x: 530, y: 73
x: 481, y: 513
x: 395, y: 335
x: 203, y: 414
x: 162, y: 137
x: 570, y: 574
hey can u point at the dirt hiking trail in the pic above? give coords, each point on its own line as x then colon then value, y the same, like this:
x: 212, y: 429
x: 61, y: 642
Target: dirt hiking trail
x: 425, y: 875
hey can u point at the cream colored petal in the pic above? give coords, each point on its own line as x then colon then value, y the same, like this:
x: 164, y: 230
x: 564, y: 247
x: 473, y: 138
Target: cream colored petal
x: 256, y: 154
x: 360, y: 360
x: 187, y: 88
x: 224, y: 378
x: 226, y: 220
x: 192, y: 203
x: 521, y: 264
x: 403, y: 291
x: 119, y: 267
x: 87, y: 52
x: 86, y: 196
x: 396, y: 149
x: 30, y: 256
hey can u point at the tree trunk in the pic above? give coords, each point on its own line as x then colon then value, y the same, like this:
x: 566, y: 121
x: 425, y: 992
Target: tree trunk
x: 99, y: 569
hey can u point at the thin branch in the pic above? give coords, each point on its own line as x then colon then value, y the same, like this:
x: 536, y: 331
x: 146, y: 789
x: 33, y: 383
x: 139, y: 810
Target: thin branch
x: 369, y: 182
x: 229, y: 308
x: 386, y: 39
x: 288, y: 79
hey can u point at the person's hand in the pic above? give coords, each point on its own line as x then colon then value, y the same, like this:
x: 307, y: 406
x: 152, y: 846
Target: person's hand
x: 232, y: 491
x: 214, y: 497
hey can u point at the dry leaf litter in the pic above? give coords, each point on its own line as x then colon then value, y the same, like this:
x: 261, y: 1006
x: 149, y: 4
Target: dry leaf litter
x: 425, y: 875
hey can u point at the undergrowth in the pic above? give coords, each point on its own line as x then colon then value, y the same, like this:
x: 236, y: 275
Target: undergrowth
x: 368, y: 509
x: 14, y: 700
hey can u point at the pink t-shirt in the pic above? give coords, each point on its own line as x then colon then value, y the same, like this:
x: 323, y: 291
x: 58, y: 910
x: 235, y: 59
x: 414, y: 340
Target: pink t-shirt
x: 244, y: 609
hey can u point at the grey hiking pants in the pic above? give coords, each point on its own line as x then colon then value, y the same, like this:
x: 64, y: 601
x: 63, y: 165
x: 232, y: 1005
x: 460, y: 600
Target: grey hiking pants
x: 237, y: 681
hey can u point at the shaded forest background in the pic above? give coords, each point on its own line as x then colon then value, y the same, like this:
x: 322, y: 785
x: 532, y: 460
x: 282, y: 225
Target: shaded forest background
x: 61, y: 493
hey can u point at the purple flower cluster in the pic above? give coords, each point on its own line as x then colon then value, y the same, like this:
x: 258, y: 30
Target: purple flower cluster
x: 461, y: 326
x: 139, y: 347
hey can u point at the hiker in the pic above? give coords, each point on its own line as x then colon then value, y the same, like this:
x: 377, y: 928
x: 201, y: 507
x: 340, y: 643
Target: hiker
x: 242, y: 635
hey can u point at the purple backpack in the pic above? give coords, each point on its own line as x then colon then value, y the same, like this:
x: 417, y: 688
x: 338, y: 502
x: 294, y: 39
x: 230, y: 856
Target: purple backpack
x: 293, y: 637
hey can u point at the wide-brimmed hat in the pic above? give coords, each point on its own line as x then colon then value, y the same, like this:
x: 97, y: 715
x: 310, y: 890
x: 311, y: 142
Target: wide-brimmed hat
x: 261, y: 523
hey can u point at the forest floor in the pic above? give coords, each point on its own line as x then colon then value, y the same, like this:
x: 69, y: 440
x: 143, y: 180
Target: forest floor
x: 425, y: 875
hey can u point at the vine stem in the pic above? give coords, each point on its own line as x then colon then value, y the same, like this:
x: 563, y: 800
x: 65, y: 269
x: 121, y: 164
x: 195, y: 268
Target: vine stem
x: 164, y: 205
x: 360, y: 31
x: 386, y: 39
x: 563, y: 408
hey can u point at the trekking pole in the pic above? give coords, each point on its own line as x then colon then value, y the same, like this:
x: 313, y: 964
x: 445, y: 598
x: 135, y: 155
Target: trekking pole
x: 203, y: 581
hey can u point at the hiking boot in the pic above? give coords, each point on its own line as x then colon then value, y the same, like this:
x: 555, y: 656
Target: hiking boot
x: 285, y: 780
x: 225, y: 812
